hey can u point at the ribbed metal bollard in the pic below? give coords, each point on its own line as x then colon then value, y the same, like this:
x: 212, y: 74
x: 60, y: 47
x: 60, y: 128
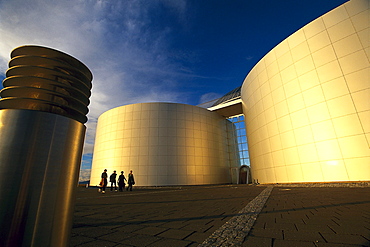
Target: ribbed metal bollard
x: 42, y: 114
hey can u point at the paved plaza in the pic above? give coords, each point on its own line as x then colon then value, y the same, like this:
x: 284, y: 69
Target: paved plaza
x: 223, y: 215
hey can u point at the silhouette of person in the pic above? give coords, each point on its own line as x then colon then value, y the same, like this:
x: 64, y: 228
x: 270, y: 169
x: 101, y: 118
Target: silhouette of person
x: 104, y: 181
x: 130, y: 181
x: 121, y: 181
x: 112, y: 180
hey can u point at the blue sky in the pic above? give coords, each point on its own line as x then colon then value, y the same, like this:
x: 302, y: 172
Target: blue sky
x: 184, y: 51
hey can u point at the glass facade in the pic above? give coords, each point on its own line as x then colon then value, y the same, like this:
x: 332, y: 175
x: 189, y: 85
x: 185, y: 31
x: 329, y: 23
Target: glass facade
x: 230, y: 96
x: 239, y: 123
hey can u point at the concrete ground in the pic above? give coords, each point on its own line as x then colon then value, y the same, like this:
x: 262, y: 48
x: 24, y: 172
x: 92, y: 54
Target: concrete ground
x: 191, y: 215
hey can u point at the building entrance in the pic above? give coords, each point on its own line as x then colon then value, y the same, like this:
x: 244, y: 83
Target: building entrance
x: 244, y: 175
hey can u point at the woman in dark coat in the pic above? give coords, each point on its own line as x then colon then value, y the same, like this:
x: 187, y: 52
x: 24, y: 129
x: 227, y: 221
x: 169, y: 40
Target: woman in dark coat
x: 130, y: 181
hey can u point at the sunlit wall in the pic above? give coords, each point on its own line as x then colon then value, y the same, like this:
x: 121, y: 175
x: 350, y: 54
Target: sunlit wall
x: 307, y: 102
x: 165, y: 144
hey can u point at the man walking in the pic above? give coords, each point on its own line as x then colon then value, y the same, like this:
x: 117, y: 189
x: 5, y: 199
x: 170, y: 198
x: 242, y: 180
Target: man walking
x: 112, y: 180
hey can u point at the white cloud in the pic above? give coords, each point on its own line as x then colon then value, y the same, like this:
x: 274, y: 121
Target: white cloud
x: 113, y: 38
x: 84, y: 175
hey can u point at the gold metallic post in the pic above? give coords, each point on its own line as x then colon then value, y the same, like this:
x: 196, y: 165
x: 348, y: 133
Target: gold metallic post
x: 42, y: 114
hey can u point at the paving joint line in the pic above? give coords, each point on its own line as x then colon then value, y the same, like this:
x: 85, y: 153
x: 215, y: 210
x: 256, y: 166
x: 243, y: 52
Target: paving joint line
x: 233, y: 232
x: 153, y: 191
x: 124, y: 194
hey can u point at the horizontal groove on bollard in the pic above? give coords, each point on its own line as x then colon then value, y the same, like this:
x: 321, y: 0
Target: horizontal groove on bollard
x: 44, y: 79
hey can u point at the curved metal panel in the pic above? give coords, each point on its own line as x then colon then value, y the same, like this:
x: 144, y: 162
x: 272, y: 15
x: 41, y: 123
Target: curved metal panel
x: 38, y: 82
x: 44, y: 94
x: 192, y: 145
x: 40, y: 155
x: 305, y: 106
x: 42, y: 72
x: 41, y: 105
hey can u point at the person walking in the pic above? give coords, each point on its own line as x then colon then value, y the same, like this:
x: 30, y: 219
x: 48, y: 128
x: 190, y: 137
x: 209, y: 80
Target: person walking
x: 130, y: 181
x: 121, y: 182
x: 113, y: 180
x: 104, y: 181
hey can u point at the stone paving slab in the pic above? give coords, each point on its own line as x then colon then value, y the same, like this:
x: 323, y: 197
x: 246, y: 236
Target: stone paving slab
x: 167, y: 216
x: 234, y: 231
x: 187, y: 216
x: 314, y: 216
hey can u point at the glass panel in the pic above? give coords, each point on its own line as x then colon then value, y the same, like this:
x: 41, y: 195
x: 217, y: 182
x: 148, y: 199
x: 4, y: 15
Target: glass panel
x: 245, y: 154
x: 242, y: 132
x: 244, y: 146
x: 244, y: 162
x: 247, y: 162
x: 241, y: 139
x: 240, y: 146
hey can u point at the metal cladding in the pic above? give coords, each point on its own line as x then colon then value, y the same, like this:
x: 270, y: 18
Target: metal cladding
x: 44, y: 79
x: 42, y: 114
x: 41, y: 152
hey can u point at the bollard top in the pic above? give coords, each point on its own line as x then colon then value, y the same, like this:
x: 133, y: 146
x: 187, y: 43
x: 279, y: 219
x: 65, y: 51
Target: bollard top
x: 44, y: 79
x: 51, y: 53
